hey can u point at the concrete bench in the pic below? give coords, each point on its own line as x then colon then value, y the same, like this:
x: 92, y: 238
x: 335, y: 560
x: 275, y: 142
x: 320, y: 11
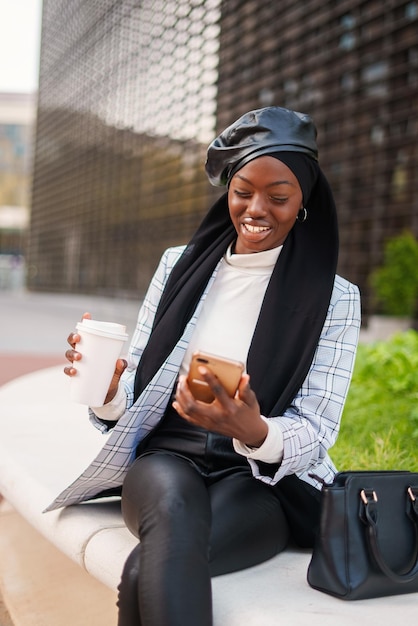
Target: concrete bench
x: 45, y: 441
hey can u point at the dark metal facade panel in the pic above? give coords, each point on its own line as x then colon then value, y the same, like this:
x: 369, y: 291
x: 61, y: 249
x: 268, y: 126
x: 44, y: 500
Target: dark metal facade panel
x: 131, y: 92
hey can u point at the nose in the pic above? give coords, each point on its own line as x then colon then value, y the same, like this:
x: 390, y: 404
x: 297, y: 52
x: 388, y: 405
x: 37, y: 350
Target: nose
x: 255, y: 206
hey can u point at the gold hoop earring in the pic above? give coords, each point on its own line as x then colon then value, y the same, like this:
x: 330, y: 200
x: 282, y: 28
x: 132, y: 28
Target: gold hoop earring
x: 302, y: 215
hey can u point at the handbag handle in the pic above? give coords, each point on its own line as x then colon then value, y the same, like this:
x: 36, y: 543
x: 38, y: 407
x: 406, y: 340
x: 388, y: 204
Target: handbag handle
x: 369, y: 499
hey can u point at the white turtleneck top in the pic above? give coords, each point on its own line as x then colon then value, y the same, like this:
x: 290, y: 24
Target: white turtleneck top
x: 225, y: 328
x: 227, y: 322
x: 231, y: 309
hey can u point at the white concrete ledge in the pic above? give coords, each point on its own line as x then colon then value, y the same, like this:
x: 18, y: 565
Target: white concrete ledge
x: 45, y: 441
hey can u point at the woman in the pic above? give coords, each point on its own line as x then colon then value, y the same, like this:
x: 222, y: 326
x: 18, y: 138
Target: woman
x: 214, y: 488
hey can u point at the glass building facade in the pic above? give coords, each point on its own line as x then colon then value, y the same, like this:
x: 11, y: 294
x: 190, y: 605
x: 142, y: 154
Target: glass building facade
x: 132, y: 91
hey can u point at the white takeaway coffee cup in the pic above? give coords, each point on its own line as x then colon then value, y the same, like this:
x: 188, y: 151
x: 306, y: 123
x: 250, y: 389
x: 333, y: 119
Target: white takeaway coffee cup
x: 100, y: 346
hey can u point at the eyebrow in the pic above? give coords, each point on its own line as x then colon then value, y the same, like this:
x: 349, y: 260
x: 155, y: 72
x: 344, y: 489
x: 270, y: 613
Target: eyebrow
x: 274, y: 184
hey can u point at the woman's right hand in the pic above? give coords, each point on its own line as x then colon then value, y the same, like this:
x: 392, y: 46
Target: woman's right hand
x: 73, y: 356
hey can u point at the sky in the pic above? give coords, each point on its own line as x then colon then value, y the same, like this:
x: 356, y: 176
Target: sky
x: 20, y: 26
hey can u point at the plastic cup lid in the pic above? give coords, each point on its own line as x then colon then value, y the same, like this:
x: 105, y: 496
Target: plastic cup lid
x: 104, y: 329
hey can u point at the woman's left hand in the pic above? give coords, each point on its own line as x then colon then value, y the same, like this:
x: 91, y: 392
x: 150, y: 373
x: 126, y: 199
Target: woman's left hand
x: 237, y: 417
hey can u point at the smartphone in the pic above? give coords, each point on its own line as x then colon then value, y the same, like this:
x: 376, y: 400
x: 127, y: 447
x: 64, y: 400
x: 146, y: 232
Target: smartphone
x: 228, y: 372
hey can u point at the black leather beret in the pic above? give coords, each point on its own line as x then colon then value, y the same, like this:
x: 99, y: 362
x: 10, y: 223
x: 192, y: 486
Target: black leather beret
x: 256, y: 133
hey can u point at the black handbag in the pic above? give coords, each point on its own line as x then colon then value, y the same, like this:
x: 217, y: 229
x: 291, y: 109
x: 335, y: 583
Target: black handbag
x: 367, y: 544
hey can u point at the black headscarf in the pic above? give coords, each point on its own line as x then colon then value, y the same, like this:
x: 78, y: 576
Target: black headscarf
x: 298, y: 294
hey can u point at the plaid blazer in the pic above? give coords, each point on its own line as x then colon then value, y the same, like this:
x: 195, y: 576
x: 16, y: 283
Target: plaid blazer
x: 310, y: 424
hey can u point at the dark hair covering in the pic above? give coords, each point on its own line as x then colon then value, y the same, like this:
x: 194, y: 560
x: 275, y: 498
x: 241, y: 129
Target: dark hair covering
x: 265, y: 131
x: 297, y: 298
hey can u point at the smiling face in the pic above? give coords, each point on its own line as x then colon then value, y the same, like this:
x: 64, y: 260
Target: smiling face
x: 264, y: 199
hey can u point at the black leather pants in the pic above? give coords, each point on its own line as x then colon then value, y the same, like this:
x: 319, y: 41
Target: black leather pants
x: 198, y: 512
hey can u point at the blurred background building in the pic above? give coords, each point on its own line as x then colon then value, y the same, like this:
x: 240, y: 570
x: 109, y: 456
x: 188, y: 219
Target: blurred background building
x: 17, y: 117
x: 132, y: 91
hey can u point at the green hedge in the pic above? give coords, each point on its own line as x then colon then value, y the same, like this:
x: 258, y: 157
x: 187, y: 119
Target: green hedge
x: 395, y: 283
x: 379, y: 427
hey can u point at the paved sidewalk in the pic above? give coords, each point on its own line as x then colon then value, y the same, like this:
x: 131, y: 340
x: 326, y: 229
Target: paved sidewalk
x: 39, y: 323
x: 33, y: 332
x: 34, y: 326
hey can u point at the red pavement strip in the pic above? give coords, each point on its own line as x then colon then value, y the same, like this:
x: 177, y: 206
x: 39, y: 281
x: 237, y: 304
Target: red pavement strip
x: 14, y: 365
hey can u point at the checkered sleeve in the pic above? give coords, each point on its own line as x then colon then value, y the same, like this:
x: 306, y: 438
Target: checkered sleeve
x: 141, y: 335
x: 311, y: 423
x: 146, y: 317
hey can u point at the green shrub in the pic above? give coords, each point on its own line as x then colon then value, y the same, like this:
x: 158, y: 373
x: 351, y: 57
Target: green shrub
x: 379, y: 427
x: 395, y: 283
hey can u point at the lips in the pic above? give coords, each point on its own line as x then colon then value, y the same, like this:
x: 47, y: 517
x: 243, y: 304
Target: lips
x: 255, y: 229
x: 254, y: 233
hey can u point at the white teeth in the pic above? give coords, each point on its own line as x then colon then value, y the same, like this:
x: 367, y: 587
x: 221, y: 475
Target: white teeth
x: 256, y: 229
